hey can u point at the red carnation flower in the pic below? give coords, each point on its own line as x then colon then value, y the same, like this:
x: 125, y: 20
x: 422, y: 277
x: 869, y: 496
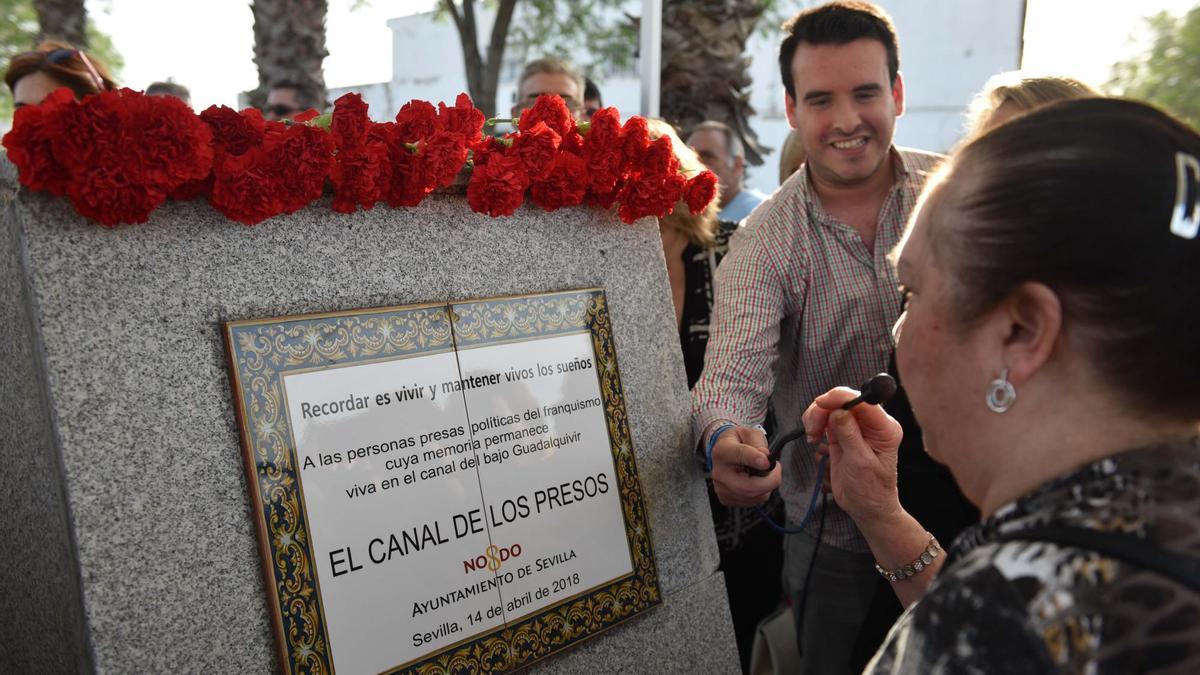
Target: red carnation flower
x: 112, y: 194
x: 138, y: 149
x: 233, y: 132
x: 659, y: 159
x: 243, y: 188
x: 498, y: 187
x: 174, y: 147
x: 489, y: 147
x: 655, y: 187
x: 416, y: 120
x: 463, y: 119
x: 410, y: 182
x: 303, y: 159
x: 565, y: 183
x: 573, y: 143
x: 362, y: 175
x: 537, y: 147
x: 700, y: 191
x: 306, y: 116
x: 92, y: 132
x: 274, y: 131
x: 29, y: 144
x: 350, y: 121
x: 443, y: 154
x: 603, y: 150
x: 359, y: 177
x: 635, y: 139
x: 605, y: 199
x: 550, y: 109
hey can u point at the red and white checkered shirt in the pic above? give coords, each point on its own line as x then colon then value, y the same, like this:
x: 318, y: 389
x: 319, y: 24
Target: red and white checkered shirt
x: 802, y: 306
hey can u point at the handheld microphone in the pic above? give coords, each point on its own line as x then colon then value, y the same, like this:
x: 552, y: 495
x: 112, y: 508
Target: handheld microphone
x: 875, y: 391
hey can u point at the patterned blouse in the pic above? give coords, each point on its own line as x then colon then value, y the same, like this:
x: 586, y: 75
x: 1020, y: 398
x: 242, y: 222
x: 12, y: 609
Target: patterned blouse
x: 1031, y: 606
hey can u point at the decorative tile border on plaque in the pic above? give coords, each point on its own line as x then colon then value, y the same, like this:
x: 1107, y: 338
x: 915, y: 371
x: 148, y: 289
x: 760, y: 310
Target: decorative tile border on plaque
x: 262, y: 351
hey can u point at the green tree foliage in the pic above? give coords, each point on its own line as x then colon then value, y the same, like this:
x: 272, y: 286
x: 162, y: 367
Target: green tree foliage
x: 18, y: 33
x: 1168, y: 73
x: 536, y: 28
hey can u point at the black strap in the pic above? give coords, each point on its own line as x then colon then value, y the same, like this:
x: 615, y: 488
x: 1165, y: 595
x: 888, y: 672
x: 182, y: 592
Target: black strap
x: 1127, y: 548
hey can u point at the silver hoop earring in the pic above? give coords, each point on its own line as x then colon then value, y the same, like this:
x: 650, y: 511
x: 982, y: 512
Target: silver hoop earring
x: 1001, y: 394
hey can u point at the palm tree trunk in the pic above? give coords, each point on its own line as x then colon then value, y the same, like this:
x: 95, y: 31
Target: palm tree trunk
x: 289, y: 45
x: 704, y: 68
x: 64, y: 20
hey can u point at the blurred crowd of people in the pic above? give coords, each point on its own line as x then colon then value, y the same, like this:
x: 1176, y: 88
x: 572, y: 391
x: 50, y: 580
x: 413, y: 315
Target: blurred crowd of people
x: 1028, y: 502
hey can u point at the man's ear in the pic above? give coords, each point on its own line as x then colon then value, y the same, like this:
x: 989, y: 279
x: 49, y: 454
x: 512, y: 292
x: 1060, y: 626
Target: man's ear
x: 789, y: 104
x: 1031, y: 324
x: 739, y: 166
x: 898, y: 93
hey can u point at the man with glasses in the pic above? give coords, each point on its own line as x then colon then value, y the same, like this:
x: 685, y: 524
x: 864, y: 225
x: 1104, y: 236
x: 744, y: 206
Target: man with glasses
x: 286, y: 99
x: 549, y: 76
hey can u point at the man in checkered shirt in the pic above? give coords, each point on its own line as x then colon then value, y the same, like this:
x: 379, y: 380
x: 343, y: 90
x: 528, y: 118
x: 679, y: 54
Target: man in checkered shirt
x: 806, y: 299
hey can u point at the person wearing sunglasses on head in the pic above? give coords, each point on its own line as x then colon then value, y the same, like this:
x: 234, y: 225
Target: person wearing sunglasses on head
x: 286, y: 99
x: 549, y: 76
x: 32, y: 76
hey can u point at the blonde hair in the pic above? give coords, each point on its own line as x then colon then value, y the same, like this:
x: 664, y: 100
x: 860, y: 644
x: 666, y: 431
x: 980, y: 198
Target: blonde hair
x: 1024, y: 90
x: 699, y: 228
x: 791, y: 155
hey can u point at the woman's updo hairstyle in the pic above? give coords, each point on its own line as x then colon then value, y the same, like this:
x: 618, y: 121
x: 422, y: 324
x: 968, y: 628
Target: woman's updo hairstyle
x: 1080, y: 195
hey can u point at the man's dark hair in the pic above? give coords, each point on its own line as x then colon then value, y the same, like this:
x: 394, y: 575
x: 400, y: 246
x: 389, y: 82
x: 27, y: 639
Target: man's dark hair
x: 591, y: 91
x: 838, y: 23
x: 305, y: 96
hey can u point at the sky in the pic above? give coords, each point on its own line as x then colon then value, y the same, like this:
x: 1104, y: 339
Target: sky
x: 358, y: 41
x: 1079, y: 38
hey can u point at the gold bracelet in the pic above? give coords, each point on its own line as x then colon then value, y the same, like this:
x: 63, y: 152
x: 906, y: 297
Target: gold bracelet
x: 913, y: 568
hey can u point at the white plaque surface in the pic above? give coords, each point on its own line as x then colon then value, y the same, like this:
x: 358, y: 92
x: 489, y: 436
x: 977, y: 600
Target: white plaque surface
x: 459, y: 501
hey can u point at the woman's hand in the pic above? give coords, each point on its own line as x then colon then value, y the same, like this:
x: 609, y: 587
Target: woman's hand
x: 736, y: 449
x: 862, y: 447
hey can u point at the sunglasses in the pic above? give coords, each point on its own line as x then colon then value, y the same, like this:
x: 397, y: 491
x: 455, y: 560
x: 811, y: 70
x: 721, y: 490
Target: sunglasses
x: 281, y: 110
x: 61, y: 56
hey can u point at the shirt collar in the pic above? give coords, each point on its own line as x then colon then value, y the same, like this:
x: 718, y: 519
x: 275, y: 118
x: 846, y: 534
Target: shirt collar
x: 900, y: 168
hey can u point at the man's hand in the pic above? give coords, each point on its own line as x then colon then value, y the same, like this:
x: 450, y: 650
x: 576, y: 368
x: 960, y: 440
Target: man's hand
x: 736, y: 449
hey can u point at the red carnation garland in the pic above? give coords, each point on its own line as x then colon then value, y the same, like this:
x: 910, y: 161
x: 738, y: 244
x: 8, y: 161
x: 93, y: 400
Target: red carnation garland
x: 115, y: 155
x: 118, y: 155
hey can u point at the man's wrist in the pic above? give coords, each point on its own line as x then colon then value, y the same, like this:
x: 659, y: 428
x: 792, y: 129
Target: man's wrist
x: 712, y: 442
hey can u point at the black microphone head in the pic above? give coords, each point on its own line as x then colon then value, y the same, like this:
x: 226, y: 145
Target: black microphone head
x: 879, y: 389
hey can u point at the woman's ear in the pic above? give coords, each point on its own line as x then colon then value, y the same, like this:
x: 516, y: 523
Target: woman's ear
x: 1032, y: 318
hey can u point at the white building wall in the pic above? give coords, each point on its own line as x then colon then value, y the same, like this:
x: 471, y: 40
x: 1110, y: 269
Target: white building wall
x: 948, y: 49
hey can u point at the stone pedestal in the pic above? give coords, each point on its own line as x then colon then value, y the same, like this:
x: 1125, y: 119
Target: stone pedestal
x: 128, y: 540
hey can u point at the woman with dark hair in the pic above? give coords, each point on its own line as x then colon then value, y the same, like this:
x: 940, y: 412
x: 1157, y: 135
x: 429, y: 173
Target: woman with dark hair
x: 1051, y: 350
x: 33, y: 75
